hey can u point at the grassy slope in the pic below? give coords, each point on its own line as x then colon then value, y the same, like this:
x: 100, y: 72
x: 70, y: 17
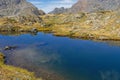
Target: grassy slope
x: 12, y: 73
x: 100, y: 25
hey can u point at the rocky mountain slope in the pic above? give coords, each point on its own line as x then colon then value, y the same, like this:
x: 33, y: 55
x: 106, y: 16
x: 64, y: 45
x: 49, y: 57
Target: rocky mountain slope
x: 91, y: 6
x: 20, y: 9
x: 95, y: 5
x: 41, y: 12
x: 59, y: 10
x: 17, y: 7
x: 17, y: 14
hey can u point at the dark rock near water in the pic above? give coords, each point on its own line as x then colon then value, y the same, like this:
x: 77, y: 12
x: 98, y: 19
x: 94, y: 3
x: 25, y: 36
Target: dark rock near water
x: 34, y: 30
x: 10, y: 47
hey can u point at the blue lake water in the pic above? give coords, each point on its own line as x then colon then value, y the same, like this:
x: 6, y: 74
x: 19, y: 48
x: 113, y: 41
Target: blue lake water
x: 63, y: 58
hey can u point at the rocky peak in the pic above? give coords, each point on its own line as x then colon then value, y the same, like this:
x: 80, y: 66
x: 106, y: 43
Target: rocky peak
x: 59, y: 10
x: 41, y: 12
x: 19, y: 9
x: 95, y: 5
x: 90, y: 6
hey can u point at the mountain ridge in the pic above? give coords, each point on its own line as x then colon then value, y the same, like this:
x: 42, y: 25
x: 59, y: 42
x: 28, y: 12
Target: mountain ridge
x: 20, y: 10
x: 95, y: 5
x: 59, y: 10
x: 89, y: 6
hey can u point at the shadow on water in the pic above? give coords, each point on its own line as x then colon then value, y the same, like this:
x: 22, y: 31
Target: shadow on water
x: 62, y: 58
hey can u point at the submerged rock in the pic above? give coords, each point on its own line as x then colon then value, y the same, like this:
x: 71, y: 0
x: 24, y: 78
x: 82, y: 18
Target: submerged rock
x: 42, y: 44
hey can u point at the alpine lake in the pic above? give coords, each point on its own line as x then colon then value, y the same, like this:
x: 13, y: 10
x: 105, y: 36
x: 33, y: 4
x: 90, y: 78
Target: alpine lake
x: 62, y: 58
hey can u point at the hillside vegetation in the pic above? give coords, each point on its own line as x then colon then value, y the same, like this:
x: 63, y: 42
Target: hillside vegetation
x: 98, y: 25
x: 103, y: 25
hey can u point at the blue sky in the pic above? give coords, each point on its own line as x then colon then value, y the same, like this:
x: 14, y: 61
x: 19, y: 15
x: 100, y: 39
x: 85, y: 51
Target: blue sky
x: 49, y: 5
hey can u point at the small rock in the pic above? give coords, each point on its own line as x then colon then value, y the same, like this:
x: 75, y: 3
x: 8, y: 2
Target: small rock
x: 9, y: 47
x: 34, y: 30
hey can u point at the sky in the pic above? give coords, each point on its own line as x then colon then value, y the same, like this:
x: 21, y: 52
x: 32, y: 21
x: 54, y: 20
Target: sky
x: 49, y: 5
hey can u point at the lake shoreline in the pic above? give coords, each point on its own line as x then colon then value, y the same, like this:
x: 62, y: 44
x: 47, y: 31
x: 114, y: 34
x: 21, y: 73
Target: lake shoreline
x: 93, y: 26
x: 58, y: 34
x: 11, y: 72
x: 43, y: 59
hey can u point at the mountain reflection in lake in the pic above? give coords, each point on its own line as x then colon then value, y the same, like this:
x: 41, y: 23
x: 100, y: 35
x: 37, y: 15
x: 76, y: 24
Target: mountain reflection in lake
x: 62, y: 58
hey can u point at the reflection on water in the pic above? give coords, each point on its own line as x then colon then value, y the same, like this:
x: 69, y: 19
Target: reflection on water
x: 111, y: 43
x: 36, y: 61
x: 62, y: 58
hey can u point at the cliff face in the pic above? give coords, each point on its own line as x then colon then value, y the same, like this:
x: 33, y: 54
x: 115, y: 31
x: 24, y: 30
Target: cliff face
x: 95, y: 5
